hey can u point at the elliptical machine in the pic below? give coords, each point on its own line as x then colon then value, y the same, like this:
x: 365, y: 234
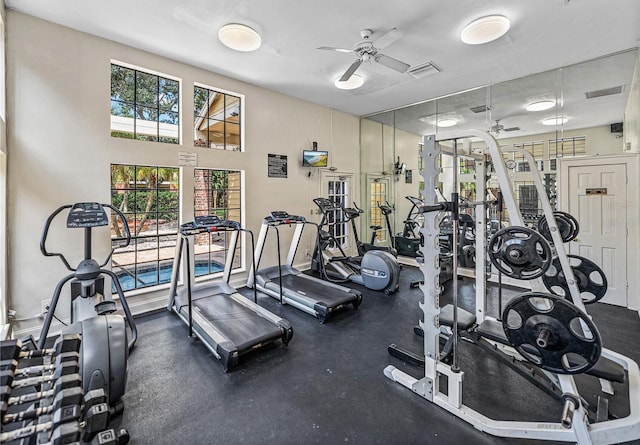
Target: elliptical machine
x: 408, y: 242
x: 376, y: 269
x: 350, y: 214
x: 105, y: 344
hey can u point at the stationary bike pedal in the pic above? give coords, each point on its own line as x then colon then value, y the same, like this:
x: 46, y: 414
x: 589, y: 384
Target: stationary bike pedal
x: 106, y: 307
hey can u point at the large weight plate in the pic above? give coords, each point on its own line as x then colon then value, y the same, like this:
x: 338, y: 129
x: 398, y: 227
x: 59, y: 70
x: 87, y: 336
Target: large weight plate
x: 567, y: 226
x: 519, y: 252
x: 591, y: 280
x: 552, y: 333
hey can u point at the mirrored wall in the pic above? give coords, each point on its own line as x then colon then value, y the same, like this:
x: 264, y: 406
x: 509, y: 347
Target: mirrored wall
x: 588, y: 109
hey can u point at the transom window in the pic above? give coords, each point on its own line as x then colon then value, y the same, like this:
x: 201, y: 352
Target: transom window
x: 216, y: 192
x: 144, y: 106
x: 217, y: 119
x: 148, y: 196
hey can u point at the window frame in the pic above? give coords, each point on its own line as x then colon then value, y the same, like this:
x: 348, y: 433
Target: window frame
x: 162, y: 261
x: 240, y: 247
x: 158, y: 108
x: 241, y: 123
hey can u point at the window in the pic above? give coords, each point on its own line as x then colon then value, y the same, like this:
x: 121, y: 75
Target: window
x: 467, y: 166
x: 144, y: 106
x: 338, y: 192
x: 537, y: 151
x: 567, y: 147
x: 216, y: 192
x: 217, y: 119
x: 148, y: 198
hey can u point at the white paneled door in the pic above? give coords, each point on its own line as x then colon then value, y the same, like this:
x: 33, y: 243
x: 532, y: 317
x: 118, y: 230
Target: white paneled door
x: 597, y: 197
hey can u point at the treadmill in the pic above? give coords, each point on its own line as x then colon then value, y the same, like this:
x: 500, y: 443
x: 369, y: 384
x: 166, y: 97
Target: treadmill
x: 227, y: 323
x: 287, y: 284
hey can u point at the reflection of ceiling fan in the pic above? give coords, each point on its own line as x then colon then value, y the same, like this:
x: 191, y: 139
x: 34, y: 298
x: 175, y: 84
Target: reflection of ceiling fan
x: 498, y: 127
x: 366, y: 52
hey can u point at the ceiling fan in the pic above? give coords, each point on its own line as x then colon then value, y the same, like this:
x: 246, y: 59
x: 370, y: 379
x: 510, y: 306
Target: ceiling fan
x: 498, y: 127
x: 366, y: 52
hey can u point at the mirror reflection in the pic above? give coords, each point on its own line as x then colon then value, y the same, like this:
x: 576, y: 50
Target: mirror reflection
x: 580, y: 110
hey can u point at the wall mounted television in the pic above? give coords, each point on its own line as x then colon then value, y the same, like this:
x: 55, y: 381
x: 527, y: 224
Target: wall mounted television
x: 315, y: 158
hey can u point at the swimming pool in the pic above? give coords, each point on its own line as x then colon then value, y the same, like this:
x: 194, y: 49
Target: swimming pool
x: 154, y: 276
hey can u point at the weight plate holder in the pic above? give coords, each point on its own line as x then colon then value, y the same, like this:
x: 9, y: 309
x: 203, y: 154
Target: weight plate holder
x: 519, y: 252
x: 552, y: 333
x: 567, y: 226
x: 591, y: 280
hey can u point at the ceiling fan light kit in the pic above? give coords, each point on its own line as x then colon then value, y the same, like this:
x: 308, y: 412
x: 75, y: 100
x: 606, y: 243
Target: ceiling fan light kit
x: 352, y: 83
x: 541, y: 105
x: 239, y: 37
x: 485, y: 29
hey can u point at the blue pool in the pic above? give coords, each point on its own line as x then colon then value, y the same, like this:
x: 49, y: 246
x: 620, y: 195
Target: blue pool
x: 154, y: 276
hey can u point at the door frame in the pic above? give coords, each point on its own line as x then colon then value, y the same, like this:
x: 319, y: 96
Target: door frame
x: 632, y: 164
x: 353, y: 193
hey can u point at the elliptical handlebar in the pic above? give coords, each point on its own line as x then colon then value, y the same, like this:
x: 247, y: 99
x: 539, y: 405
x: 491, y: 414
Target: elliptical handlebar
x: 97, y: 208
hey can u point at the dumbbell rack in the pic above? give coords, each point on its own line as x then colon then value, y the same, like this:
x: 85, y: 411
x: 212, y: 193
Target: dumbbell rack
x: 573, y: 425
x: 42, y: 400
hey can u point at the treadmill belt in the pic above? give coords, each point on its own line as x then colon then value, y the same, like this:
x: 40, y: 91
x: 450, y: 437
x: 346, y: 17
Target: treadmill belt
x: 312, y: 290
x: 239, y: 324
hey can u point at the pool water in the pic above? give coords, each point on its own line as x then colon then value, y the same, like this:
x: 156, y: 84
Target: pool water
x: 151, y: 277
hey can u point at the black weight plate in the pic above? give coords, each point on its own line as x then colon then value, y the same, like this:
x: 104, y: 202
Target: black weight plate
x: 519, y: 252
x: 552, y: 333
x: 591, y: 280
x: 567, y: 226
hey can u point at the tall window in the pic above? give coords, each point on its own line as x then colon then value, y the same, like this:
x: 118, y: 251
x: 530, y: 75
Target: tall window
x: 216, y: 192
x: 338, y: 192
x: 217, y: 119
x: 148, y: 197
x: 144, y: 106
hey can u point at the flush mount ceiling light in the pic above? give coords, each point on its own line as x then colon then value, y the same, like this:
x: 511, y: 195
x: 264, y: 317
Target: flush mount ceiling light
x: 555, y: 120
x: 447, y: 122
x: 541, y: 105
x: 485, y: 29
x: 239, y: 37
x: 352, y: 83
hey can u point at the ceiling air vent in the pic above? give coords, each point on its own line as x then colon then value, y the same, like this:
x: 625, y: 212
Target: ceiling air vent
x: 480, y: 109
x: 424, y: 70
x: 605, y: 92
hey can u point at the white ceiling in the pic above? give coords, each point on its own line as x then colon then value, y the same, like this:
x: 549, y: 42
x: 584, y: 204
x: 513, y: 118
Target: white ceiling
x: 545, y: 34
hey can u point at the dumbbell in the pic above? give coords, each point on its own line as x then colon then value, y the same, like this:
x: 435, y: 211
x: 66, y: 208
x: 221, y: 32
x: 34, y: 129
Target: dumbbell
x: 66, y: 397
x: 65, y: 427
x: 12, y: 349
x: 8, y: 379
x: 39, y: 369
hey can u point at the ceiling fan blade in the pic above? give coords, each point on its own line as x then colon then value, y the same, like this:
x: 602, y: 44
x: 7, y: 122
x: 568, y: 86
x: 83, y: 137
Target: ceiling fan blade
x: 330, y: 48
x: 352, y: 69
x: 392, y: 63
x: 388, y: 38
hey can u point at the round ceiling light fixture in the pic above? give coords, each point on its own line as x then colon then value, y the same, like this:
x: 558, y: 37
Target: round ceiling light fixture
x: 447, y: 122
x: 541, y: 105
x: 555, y: 120
x: 352, y: 83
x: 485, y: 29
x: 239, y: 37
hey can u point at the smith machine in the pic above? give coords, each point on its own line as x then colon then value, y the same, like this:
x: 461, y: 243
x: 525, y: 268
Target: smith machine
x: 551, y: 335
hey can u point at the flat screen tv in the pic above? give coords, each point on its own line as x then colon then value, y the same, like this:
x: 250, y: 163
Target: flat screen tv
x: 315, y: 158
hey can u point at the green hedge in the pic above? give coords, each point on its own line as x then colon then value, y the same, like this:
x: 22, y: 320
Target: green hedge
x: 165, y: 202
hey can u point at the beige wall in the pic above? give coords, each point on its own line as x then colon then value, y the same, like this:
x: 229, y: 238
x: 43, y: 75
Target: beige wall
x: 60, y: 149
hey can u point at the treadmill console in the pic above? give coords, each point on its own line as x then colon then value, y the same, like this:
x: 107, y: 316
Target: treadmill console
x: 208, y: 223
x: 326, y: 205
x: 282, y: 217
x: 87, y: 214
